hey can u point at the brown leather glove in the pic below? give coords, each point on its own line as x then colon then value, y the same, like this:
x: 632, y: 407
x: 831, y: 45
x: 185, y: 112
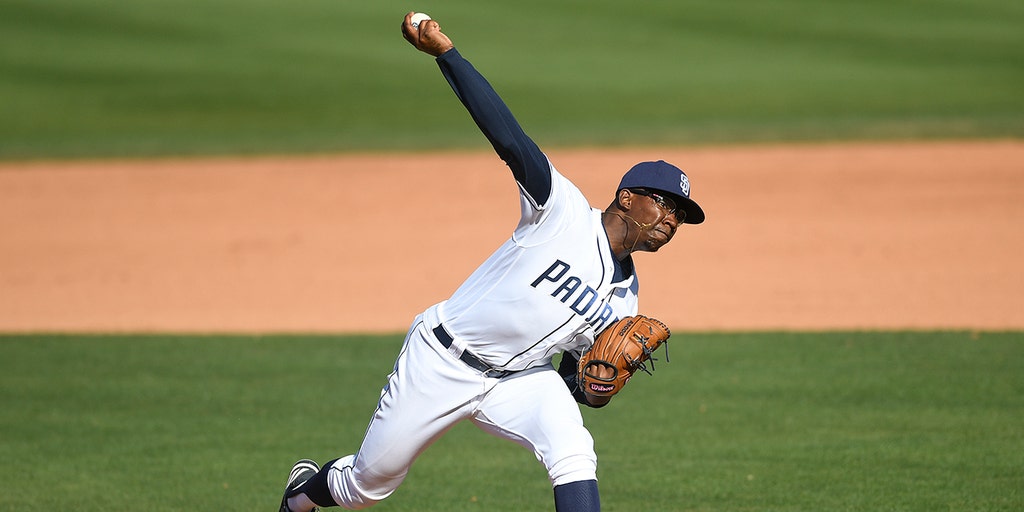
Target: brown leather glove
x: 618, y: 352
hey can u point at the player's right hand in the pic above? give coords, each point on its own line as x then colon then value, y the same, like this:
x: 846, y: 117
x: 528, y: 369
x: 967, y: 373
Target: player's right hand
x: 428, y: 38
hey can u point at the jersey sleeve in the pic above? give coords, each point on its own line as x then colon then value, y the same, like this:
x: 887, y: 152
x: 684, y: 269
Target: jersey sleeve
x: 529, y: 165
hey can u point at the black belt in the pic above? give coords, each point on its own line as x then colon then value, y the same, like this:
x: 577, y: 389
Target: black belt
x: 467, y: 357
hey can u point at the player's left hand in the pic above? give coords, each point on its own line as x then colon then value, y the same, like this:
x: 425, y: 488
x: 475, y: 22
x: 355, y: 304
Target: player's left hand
x: 428, y: 38
x: 603, y: 372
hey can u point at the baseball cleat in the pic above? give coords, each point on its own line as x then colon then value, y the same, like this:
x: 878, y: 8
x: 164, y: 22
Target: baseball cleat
x: 302, y: 470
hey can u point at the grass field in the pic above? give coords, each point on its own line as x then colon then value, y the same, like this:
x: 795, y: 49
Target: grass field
x: 843, y: 421
x: 156, y: 77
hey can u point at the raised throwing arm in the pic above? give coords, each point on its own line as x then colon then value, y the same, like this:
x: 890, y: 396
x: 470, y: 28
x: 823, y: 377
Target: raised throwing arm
x: 528, y: 164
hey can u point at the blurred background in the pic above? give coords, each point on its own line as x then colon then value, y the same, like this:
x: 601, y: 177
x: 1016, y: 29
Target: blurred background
x: 92, y: 78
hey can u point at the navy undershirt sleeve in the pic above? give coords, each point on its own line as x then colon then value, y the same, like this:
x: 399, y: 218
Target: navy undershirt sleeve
x: 529, y: 165
x: 567, y: 369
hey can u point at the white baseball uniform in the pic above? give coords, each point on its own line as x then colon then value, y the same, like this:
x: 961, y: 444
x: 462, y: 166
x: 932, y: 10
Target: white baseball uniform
x: 485, y: 353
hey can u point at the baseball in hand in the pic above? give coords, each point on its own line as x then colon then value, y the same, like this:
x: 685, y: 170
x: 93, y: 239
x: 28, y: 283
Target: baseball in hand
x: 417, y: 18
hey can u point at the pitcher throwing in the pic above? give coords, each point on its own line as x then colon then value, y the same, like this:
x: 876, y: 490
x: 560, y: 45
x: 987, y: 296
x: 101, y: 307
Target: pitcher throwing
x: 485, y: 353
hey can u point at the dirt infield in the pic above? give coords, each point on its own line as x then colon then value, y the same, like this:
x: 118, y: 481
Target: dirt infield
x: 913, y: 235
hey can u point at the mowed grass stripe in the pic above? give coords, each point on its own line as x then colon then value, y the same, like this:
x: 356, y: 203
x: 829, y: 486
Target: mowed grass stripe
x: 156, y: 77
x: 853, y: 421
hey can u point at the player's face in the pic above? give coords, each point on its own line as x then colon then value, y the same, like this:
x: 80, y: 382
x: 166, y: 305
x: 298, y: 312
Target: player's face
x: 661, y: 216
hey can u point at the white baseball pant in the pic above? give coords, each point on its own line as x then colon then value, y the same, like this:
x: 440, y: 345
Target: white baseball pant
x: 430, y: 390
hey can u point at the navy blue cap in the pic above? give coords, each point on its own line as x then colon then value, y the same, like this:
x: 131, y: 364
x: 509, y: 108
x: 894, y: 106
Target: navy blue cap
x: 664, y: 177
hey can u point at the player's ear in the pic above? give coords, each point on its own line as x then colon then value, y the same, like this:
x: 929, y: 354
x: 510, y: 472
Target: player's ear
x: 624, y: 199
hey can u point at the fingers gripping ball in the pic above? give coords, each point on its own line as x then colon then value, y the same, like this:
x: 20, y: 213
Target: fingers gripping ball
x: 618, y: 352
x: 417, y: 19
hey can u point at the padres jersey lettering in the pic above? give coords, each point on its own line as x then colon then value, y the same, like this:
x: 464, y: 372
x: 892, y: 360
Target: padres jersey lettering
x: 557, y: 283
x: 569, y: 286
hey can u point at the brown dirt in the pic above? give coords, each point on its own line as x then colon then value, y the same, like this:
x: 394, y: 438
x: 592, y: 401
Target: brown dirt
x: 864, y: 236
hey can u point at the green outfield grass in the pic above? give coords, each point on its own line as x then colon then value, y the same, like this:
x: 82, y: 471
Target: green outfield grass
x: 868, y: 421
x: 155, y: 77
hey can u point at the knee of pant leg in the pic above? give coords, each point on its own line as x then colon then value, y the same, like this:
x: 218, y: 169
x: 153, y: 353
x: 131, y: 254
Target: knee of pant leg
x: 571, y: 457
x: 358, y: 490
x: 573, y: 468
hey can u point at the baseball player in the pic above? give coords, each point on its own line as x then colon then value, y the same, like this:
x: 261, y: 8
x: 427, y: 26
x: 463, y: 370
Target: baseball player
x: 485, y: 354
